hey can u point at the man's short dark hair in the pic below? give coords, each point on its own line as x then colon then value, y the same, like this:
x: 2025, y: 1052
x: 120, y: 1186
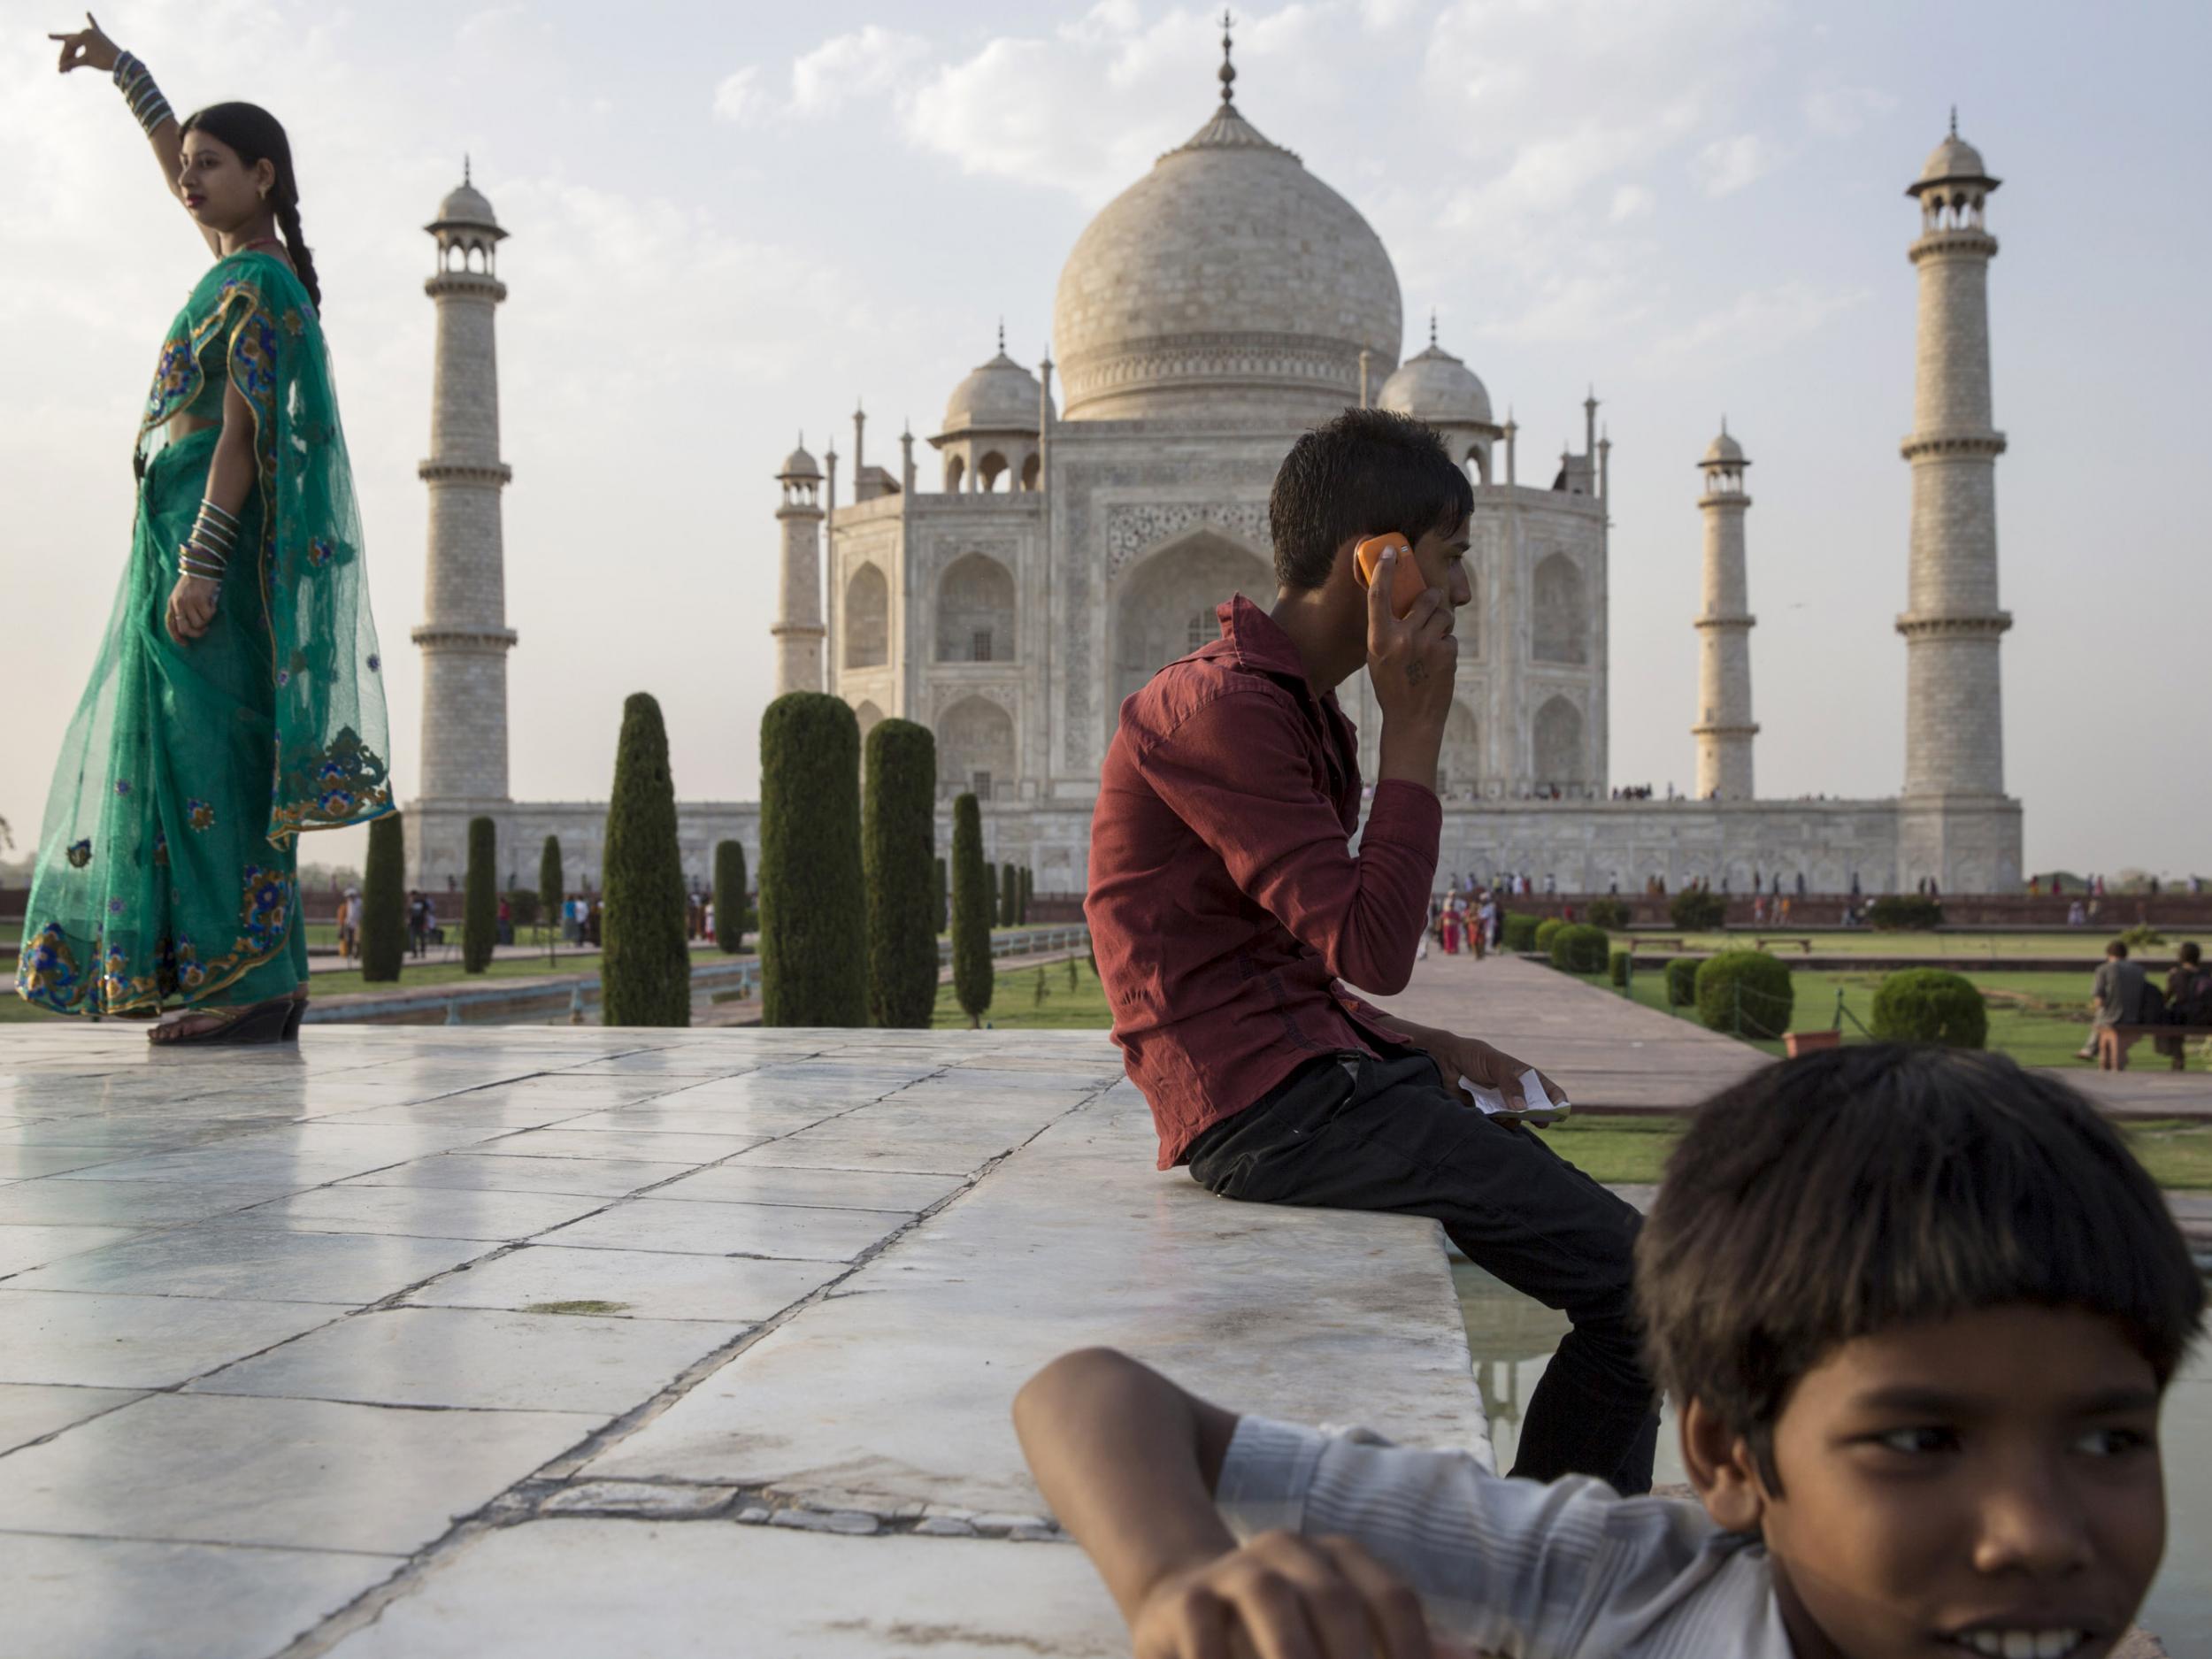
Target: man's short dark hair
x: 2117, y: 950
x: 1368, y: 472
x: 1841, y: 1194
x: 2189, y: 953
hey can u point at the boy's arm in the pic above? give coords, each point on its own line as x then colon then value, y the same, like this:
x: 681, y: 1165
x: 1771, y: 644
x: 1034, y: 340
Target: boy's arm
x: 1128, y: 1462
x: 1239, y: 772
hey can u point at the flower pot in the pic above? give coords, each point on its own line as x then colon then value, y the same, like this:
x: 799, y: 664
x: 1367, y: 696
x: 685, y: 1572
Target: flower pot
x: 1797, y: 1042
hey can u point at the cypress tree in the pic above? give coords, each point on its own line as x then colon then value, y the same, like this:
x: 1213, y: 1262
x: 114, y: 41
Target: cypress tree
x: 938, y: 919
x: 1009, y: 899
x: 645, y: 970
x: 729, y: 895
x: 551, y: 893
x: 384, y: 902
x: 971, y: 971
x: 813, y: 917
x: 898, y: 825
x: 1028, y: 891
x: 480, y: 898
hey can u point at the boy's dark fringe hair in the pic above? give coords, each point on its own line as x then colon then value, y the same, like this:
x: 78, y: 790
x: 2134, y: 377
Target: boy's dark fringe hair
x: 1365, y: 472
x: 1845, y: 1193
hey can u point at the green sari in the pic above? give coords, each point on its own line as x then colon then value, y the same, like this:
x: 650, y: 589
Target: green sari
x: 168, y: 863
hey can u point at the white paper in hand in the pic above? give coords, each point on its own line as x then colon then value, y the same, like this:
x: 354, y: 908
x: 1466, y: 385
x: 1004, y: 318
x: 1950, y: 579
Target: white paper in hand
x: 1494, y: 1103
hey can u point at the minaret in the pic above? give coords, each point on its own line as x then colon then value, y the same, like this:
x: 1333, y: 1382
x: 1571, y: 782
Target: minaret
x: 465, y: 638
x: 798, y: 628
x: 1725, y: 730
x: 1954, y: 716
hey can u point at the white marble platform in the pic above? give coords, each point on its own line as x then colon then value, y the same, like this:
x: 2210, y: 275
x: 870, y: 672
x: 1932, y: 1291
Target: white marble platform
x: 554, y: 1341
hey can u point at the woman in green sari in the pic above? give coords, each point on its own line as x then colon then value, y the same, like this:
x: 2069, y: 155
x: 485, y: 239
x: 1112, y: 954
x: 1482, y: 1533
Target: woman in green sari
x: 236, y: 700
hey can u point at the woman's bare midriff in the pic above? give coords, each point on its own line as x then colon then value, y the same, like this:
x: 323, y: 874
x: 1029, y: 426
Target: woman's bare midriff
x: 183, y: 426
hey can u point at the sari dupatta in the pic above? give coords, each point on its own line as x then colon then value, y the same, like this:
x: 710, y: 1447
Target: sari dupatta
x: 329, y: 767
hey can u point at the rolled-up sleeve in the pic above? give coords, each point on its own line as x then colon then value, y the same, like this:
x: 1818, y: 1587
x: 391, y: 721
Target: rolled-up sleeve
x: 1239, y: 772
x: 1505, y: 1564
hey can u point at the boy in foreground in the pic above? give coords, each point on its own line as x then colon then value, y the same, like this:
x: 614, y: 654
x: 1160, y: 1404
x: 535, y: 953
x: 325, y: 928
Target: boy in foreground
x: 1917, y: 1308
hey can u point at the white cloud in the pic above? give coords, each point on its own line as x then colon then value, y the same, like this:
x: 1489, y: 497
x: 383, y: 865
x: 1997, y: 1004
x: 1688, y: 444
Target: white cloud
x: 870, y: 62
x: 1727, y: 165
x: 740, y: 97
x: 1630, y: 201
x: 1841, y: 111
x: 1758, y: 322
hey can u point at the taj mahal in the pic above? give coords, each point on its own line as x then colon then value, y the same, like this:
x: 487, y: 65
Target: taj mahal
x: 1066, y: 540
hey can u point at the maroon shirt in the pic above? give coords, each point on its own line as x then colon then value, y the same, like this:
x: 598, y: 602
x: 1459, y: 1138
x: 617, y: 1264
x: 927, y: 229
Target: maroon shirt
x: 1225, y: 903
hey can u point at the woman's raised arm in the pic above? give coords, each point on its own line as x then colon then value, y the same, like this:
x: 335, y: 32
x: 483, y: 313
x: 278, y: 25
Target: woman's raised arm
x: 89, y: 48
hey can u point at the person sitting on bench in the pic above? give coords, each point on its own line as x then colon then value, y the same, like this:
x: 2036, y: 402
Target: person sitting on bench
x: 1228, y: 915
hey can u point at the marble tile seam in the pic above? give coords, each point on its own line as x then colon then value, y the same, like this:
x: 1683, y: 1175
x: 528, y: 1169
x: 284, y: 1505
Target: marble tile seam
x: 145, y: 1537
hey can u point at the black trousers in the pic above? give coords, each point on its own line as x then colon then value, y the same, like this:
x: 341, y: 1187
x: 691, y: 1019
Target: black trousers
x: 1358, y: 1132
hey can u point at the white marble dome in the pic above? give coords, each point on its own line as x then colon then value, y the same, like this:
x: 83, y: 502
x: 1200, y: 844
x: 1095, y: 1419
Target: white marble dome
x: 1953, y: 160
x: 1434, y: 386
x: 800, y: 464
x: 1228, y: 281
x: 465, y: 204
x: 1000, y: 395
x: 1724, y: 451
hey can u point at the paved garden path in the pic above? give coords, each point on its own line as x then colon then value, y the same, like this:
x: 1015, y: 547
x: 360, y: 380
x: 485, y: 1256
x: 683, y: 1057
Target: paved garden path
x: 1612, y: 1054
x: 518, y: 1340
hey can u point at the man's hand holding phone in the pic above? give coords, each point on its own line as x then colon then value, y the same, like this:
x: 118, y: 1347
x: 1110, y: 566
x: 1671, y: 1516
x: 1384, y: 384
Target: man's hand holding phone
x: 1414, y: 662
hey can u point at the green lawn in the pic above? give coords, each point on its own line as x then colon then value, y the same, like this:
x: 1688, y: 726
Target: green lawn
x: 2038, y: 1019
x: 1015, y: 1007
x: 2084, y: 943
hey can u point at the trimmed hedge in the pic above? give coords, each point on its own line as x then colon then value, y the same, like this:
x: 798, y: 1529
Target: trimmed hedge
x: 1580, y: 947
x: 1547, y: 930
x: 1697, y: 911
x: 973, y: 975
x: 1608, y: 913
x: 522, y: 908
x: 1745, y: 992
x: 1519, y: 933
x: 895, y: 843
x: 645, y: 970
x: 1617, y: 967
x: 480, y: 898
x: 1899, y: 911
x: 552, y: 890
x: 1682, y: 980
x: 384, y: 902
x: 731, y: 895
x: 1930, y: 1005
x: 937, y: 917
x: 1010, y: 909
x: 813, y: 913
x: 1027, y: 891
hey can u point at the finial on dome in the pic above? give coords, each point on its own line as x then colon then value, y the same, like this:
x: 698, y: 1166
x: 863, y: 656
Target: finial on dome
x: 464, y: 155
x: 1228, y: 70
x: 1001, y: 337
x: 1954, y: 120
x: 1431, y: 325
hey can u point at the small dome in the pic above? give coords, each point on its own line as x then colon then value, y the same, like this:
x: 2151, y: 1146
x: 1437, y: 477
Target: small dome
x: 1436, y: 387
x: 799, y: 463
x: 1953, y: 161
x: 465, y: 204
x: 1724, y: 451
x: 1000, y: 396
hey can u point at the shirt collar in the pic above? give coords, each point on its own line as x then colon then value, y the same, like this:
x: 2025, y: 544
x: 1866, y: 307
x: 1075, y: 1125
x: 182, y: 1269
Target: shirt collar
x: 1257, y: 641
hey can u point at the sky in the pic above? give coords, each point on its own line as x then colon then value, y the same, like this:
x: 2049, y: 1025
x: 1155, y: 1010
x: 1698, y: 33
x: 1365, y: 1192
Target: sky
x: 731, y: 222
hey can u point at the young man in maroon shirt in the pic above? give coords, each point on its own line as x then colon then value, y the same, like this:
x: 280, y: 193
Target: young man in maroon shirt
x: 1228, y: 914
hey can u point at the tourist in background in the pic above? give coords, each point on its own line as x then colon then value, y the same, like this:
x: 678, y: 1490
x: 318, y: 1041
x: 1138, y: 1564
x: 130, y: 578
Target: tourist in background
x: 2188, y: 1001
x: 348, y: 924
x: 167, y: 864
x: 2115, y: 999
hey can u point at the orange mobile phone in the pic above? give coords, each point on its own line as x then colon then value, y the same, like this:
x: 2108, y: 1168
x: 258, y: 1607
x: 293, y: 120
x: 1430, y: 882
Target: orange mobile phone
x: 1408, y: 586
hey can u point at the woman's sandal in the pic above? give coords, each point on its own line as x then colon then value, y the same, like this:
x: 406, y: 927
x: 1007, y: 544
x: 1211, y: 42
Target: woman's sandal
x: 269, y: 1022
